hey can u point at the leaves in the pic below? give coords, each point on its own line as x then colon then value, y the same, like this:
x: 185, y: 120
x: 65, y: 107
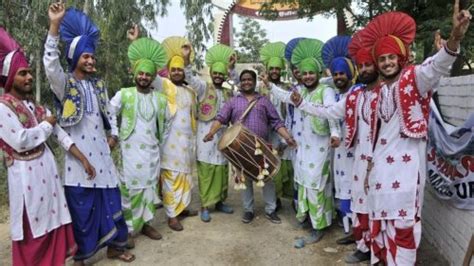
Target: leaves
x: 250, y: 40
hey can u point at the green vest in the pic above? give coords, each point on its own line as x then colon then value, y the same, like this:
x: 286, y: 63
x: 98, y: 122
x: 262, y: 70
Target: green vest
x: 318, y: 125
x: 207, y: 109
x: 129, y: 112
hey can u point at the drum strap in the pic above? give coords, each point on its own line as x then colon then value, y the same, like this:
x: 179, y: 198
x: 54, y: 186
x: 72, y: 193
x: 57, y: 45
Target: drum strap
x: 246, y: 112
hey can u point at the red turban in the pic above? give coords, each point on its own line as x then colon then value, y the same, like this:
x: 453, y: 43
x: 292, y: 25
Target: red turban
x: 363, y: 56
x: 390, y: 45
x: 17, y: 61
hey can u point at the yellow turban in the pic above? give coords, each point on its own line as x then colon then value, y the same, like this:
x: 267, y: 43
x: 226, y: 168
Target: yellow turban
x: 176, y: 62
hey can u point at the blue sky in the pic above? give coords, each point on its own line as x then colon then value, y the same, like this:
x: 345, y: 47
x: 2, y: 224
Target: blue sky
x: 320, y: 27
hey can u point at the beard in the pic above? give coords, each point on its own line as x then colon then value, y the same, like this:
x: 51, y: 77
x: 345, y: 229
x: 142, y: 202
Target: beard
x: 341, y: 84
x: 218, y: 82
x: 143, y: 84
x: 368, y: 78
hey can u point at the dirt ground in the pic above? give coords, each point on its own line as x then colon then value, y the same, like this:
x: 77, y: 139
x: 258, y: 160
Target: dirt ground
x: 227, y: 241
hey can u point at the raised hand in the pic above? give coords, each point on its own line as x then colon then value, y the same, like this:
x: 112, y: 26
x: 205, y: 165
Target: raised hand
x: 264, y: 78
x: 186, y: 51
x: 232, y: 61
x: 133, y: 33
x: 439, y: 42
x: 56, y: 12
x: 461, y: 20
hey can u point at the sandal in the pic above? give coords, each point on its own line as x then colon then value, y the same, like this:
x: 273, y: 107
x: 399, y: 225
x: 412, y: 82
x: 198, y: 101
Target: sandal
x: 124, y: 256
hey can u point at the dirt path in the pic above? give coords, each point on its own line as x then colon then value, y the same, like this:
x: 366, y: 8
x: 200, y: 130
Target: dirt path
x: 227, y: 241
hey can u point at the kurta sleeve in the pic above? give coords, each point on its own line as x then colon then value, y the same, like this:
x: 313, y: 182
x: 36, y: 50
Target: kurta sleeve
x: 114, y: 107
x: 52, y: 66
x: 196, y: 83
x: 332, y: 111
x: 19, y: 138
x: 329, y: 98
x: 281, y: 94
x: 428, y: 74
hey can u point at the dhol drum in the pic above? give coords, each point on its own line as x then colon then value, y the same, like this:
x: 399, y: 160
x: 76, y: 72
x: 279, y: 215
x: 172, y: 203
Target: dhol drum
x: 249, y: 154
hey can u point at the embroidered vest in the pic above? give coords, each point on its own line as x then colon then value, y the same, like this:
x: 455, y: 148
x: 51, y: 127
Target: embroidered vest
x: 170, y: 90
x: 28, y: 121
x: 414, y: 109
x: 351, y: 117
x: 129, y: 112
x: 319, y: 125
x: 71, y: 109
x: 207, y: 109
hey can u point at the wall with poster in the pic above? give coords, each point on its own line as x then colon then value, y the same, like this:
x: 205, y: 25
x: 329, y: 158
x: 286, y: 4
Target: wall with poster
x: 447, y: 222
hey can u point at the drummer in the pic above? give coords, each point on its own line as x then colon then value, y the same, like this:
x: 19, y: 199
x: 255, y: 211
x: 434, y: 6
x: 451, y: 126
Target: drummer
x: 261, y: 118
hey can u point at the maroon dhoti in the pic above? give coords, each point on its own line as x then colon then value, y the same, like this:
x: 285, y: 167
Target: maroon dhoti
x: 50, y: 249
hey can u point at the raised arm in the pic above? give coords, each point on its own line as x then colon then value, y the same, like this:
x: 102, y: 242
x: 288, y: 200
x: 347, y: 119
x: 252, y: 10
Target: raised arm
x: 429, y: 73
x: 52, y: 65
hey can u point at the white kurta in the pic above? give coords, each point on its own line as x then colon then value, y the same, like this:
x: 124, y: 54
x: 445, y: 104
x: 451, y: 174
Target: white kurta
x: 89, y: 134
x: 141, y: 150
x: 398, y: 177
x: 343, y: 164
x: 179, y: 150
x: 362, y: 145
x: 208, y: 152
x: 34, y: 184
x: 312, y: 149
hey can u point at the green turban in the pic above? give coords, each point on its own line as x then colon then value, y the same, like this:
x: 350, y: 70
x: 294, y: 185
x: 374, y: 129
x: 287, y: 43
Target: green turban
x: 217, y: 58
x: 307, y: 56
x: 273, y: 55
x: 146, y: 55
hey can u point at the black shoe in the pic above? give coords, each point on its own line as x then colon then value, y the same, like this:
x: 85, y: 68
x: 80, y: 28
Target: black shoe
x: 357, y: 256
x: 273, y: 217
x: 278, y: 203
x: 347, y: 240
x: 247, y: 217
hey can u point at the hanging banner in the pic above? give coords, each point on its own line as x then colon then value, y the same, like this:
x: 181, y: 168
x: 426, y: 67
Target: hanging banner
x: 451, y: 161
x: 251, y: 8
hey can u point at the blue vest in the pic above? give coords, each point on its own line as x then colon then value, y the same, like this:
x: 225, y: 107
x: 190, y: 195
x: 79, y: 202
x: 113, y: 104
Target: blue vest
x: 70, y: 109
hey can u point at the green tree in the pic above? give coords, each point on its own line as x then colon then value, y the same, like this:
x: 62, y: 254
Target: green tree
x: 250, y: 39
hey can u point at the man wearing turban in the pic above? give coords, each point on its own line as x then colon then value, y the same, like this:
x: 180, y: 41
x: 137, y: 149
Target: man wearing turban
x: 313, y: 136
x: 144, y: 127
x: 41, y: 228
x: 82, y: 101
x: 213, y: 170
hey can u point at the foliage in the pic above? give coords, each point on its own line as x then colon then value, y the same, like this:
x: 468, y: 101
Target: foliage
x: 250, y: 39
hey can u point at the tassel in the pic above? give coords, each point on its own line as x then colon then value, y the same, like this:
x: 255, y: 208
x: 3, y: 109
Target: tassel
x: 265, y: 172
x: 258, y: 152
x: 260, y: 183
x: 266, y: 165
x: 260, y: 177
x: 257, y: 144
x: 236, y: 186
x: 275, y: 152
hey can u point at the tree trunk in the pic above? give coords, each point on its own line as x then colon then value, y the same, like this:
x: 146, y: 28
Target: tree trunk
x: 341, y: 23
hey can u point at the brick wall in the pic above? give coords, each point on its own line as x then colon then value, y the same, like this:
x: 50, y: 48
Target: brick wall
x: 446, y: 227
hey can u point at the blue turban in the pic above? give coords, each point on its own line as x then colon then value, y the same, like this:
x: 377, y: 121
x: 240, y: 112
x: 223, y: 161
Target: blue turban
x: 344, y: 65
x: 85, y: 44
x: 80, y: 35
